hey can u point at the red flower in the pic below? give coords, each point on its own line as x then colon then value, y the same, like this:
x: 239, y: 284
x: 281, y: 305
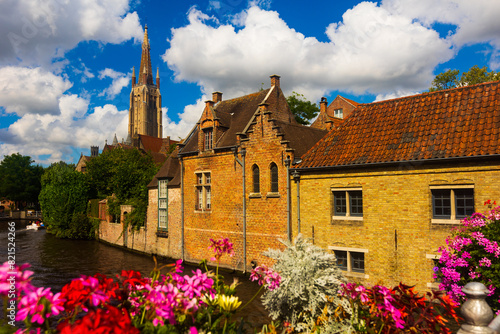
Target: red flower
x: 110, y: 320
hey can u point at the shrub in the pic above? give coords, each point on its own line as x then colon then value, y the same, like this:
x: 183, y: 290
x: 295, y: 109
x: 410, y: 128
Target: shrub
x: 398, y: 310
x: 472, y: 254
x: 310, y: 279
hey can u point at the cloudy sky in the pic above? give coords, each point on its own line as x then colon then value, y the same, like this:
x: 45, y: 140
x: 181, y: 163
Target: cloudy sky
x: 65, y: 65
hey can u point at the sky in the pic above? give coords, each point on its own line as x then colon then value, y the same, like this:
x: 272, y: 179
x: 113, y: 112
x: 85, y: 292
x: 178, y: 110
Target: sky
x: 65, y: 65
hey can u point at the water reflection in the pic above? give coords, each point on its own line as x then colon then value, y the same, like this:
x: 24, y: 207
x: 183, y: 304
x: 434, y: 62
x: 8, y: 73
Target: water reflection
x: 55, y: 262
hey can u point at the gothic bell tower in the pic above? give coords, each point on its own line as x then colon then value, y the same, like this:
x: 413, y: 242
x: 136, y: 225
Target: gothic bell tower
x: 145, y: 115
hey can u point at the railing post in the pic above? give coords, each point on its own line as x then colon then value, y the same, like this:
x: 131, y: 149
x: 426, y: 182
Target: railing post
x: 476, y: 312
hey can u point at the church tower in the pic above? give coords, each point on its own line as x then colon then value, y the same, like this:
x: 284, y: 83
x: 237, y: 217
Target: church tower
x: 145, y: 115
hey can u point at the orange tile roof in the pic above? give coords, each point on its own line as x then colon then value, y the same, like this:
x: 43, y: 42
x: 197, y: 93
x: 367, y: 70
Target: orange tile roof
x: 459, y: 122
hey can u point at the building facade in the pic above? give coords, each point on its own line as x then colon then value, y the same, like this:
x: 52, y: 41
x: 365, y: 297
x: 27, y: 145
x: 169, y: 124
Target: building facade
x: 232, y: 171
x: 384, y: 190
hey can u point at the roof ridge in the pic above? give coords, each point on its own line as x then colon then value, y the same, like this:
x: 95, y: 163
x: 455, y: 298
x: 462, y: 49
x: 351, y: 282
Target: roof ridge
x: 434, y: 92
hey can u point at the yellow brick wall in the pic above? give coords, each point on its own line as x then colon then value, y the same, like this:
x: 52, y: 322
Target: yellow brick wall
x: 396, y: 201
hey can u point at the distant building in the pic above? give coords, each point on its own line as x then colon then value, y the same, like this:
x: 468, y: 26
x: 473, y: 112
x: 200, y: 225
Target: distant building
x: 333, y: 115
x: 81, y: 166
x: 145, y: 114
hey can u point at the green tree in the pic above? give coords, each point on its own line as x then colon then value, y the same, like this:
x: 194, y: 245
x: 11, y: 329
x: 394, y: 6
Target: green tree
x: 475, y: 75
x: 303, y: 110
x: 63, y: 198
x: 20, y: 179
x: 124, y: 174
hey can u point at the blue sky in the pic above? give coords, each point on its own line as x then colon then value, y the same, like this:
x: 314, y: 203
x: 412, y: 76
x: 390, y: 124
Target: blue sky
x: 65, y: 66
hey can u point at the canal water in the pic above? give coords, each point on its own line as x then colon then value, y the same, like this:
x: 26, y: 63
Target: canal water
x: 55, y: 262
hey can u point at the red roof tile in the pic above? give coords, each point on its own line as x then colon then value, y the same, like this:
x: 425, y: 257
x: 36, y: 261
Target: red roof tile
x: 459, y: 122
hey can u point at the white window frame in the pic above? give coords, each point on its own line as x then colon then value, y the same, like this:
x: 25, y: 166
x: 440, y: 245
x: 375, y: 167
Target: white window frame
x: 348, y: 204
x: 350, y: 250
x: 453, y: 219
x: 338, y: 113
x: 203, y: 191
x: 163, y: 205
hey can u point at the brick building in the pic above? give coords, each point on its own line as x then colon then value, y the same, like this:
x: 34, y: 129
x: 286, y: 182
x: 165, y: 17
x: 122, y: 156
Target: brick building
x: 384, y: 189
x: 232, y: 169
x: 334, y: 114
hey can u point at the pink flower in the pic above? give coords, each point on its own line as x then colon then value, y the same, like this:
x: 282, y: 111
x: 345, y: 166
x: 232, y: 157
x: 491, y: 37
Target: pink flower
x: 266, y: 276
x: 485, y: 262
x: 40, y: 304
x: 221, y: 247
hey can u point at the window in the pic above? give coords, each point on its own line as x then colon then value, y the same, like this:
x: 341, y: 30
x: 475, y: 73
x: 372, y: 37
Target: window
x: 338, y: 113
x: 256, y: 179
x: 450, y: 204
x: 350, y: 260
x: 208, y: 139
x: 162, y: 205
x: 434, y: 281
x: 347, y: 203
x: 274, y: 178
x: 203, y: 191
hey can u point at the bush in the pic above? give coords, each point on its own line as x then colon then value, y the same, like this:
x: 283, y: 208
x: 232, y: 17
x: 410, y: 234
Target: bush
x: 310, y: 279
x: 472, y: 254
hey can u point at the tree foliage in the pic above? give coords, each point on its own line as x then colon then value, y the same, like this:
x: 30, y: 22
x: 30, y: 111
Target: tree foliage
x: 310, y: 278
x: 124, y: 173
x: 475, y: 75
x: 303, y: 110
x: 63, y: 199
x: 20, y: 179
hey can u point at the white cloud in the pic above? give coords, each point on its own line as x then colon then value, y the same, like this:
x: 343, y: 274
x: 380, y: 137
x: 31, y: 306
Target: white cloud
x: 31, y: 90
x: 40, y: 135
x: 120, y: 80
x: 371, y: 50
x: 186, y: 121
x: 36, y: 31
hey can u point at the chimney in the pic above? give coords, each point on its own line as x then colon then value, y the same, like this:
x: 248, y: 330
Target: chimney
x: 275, y: 80
x: 322, y: 105
x: 216, y: 97
x: 209, y: 103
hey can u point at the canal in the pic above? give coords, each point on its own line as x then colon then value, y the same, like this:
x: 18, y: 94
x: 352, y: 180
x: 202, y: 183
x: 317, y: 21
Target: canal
x: 55, y: 262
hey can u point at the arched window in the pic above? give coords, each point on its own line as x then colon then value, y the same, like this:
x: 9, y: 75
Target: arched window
x: 274, y: 178
x: 256, y: 179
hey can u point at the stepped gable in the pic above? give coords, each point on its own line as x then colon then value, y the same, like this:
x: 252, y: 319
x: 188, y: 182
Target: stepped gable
x: 233, y: 115
x: 301, y: 138
x: 453, y: 123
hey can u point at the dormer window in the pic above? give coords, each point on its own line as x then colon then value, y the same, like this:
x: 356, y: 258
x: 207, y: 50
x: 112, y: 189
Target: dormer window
x: 208, y: 145
x: 338, y: 113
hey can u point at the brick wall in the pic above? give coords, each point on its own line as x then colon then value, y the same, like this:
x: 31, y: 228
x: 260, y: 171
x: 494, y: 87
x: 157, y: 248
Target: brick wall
x: 397, y: 210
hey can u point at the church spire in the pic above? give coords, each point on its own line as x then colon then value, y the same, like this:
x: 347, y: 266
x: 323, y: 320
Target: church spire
x: 145, y: 61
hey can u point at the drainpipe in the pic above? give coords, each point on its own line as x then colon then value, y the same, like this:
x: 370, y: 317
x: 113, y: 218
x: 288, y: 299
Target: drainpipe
x: 242, y: 164
x: 296, y: 178
x: 182, y: 208
x: 288, y: 214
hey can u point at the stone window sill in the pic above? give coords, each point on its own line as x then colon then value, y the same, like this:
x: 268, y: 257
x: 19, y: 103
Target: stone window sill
x: 355, y: 275
x: 446, y: 221
x: 273, y: 195
x: 255, y: 195
x: 340, y: 218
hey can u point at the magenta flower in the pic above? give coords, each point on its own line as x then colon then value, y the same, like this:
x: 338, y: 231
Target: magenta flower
x: 15, y: 276
x: 221, y: 247
x: 40, y: 304
x: 266, y: 276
